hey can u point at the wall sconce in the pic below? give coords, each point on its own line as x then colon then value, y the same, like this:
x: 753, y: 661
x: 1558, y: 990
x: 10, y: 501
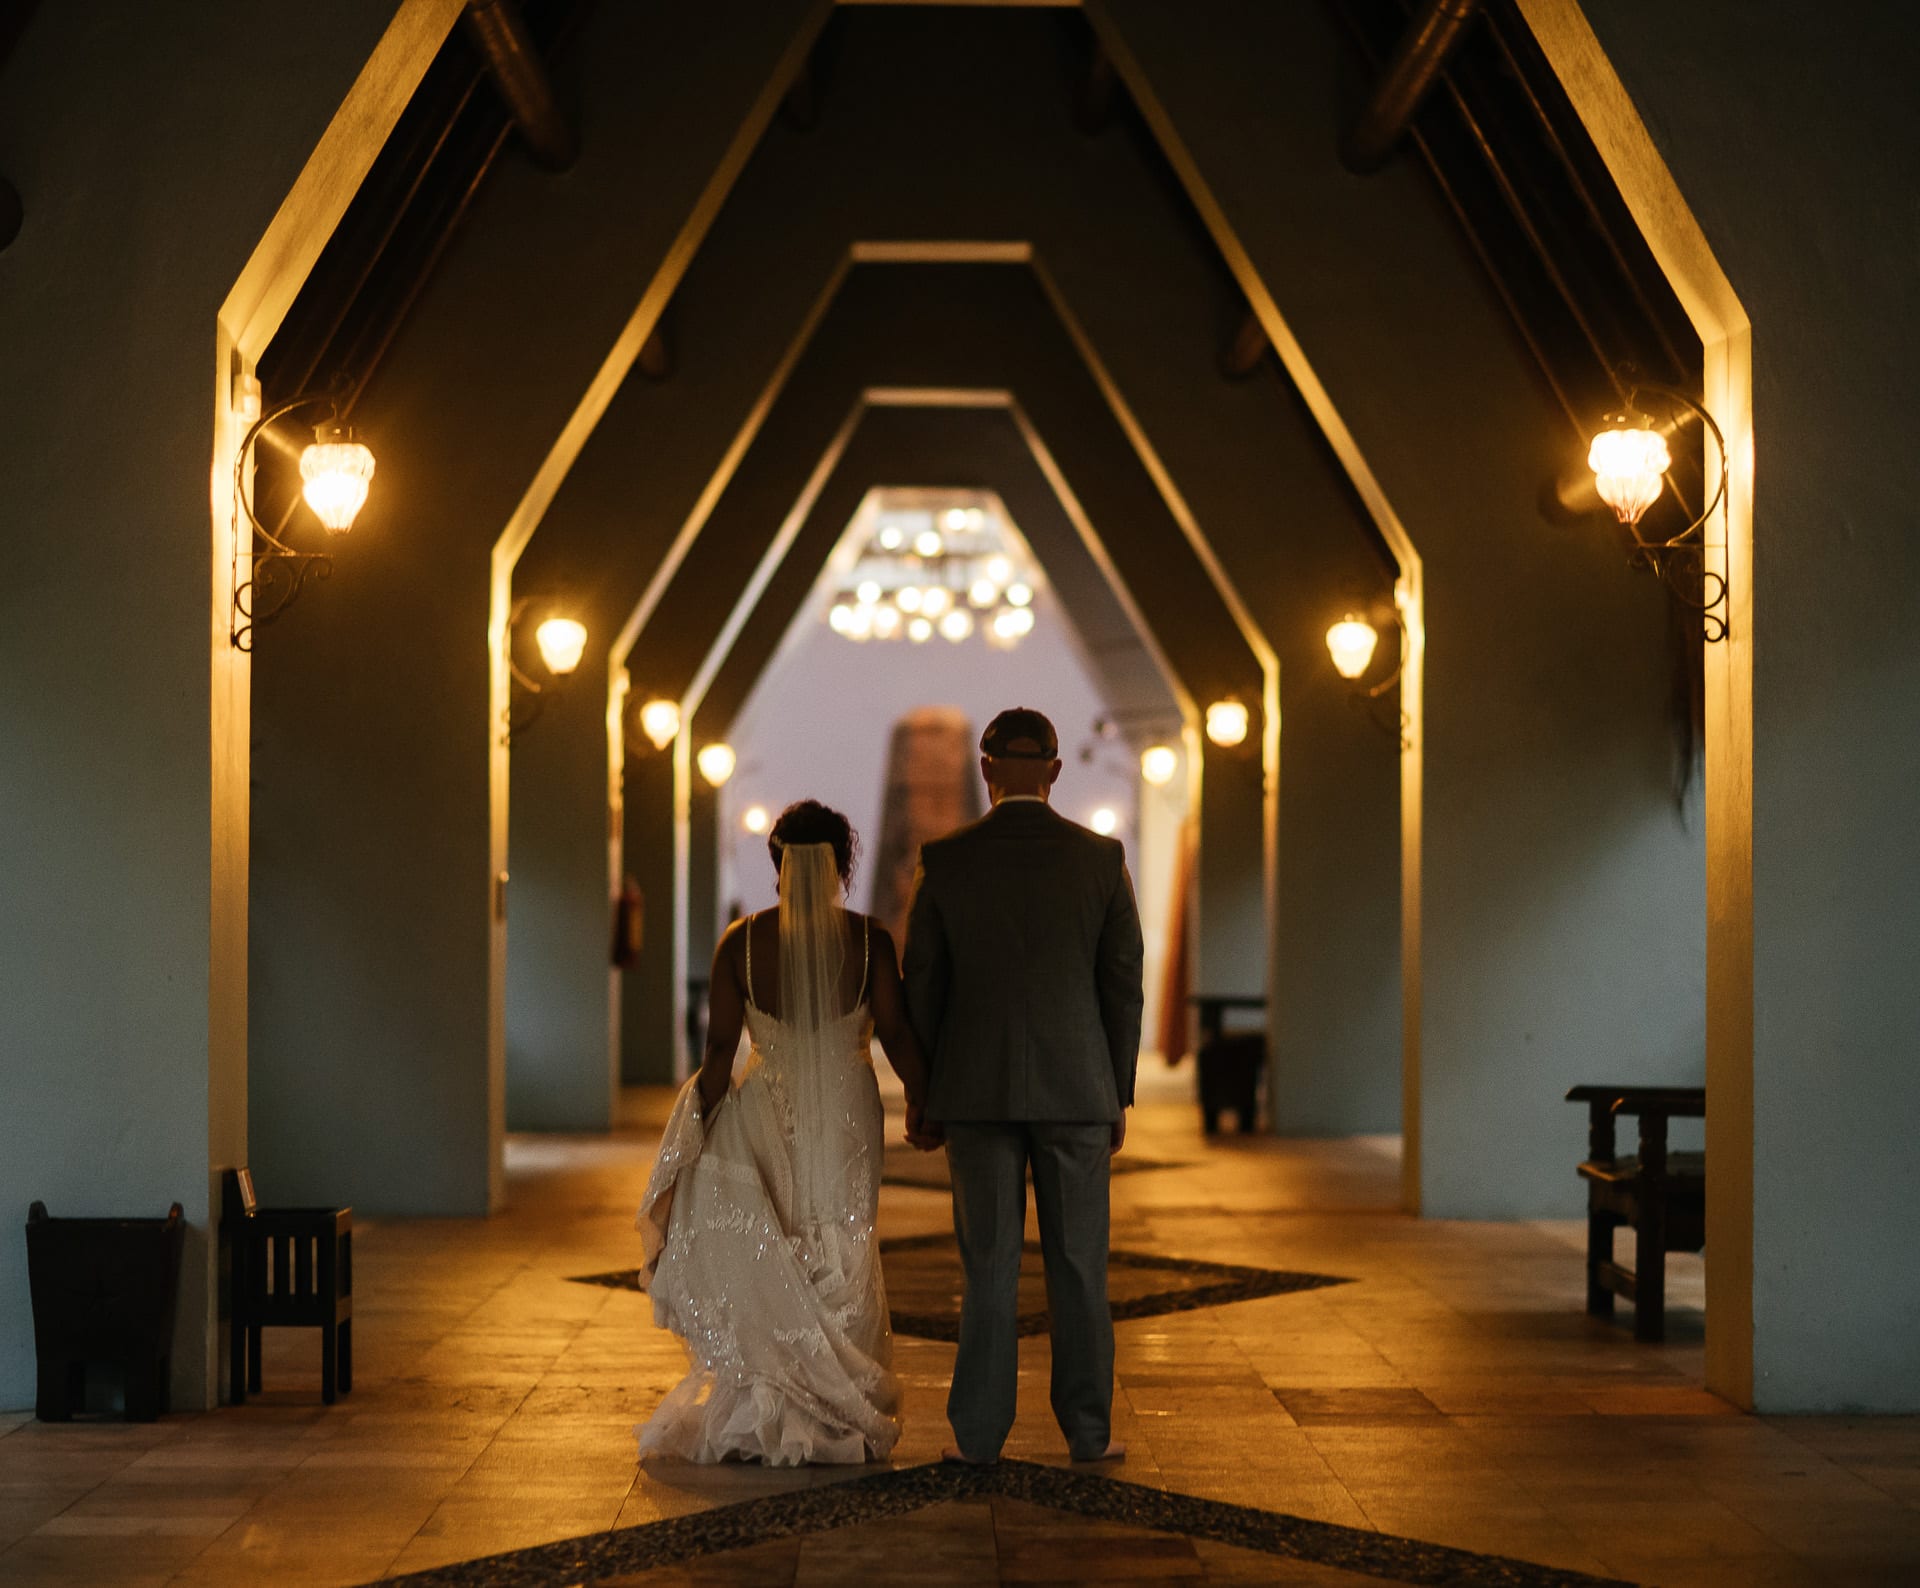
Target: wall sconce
x: 716, y: 762
x: 1630, y: 460
x: 1158, y: 763
x: 1351, y: 643
x: 562, y: 642
x: 335, y: 470
x: 1227, y: 723
x: 660, y: 722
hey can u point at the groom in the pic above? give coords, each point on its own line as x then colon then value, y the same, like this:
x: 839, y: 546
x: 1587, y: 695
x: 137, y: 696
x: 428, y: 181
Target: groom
x: 1022, y: 970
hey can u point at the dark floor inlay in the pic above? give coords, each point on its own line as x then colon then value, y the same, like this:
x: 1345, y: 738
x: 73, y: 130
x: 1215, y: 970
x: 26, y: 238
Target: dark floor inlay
x: 600, y: 1556
x: 923, y: 1285
x: 927, y: 1171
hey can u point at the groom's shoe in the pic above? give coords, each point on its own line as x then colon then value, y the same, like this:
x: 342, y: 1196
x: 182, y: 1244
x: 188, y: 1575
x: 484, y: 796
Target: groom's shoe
x: 954, y: 1456
x: 1115, y: 1451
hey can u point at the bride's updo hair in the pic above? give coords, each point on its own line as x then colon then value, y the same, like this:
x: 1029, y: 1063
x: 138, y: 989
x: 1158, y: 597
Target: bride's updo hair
x: 810, y: 822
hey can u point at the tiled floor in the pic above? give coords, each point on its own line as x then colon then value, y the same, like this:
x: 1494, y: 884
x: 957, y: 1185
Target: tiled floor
x: 1452, y: 1392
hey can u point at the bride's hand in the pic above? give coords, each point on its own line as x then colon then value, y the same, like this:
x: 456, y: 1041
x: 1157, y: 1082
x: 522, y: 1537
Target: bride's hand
x: 919, y: 1133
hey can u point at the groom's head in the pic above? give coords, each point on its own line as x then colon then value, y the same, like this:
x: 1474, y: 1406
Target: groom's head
x: 1019, y: 754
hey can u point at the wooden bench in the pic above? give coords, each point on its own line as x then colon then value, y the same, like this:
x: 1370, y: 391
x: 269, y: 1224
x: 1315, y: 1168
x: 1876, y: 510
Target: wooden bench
x: 1660, y: 1195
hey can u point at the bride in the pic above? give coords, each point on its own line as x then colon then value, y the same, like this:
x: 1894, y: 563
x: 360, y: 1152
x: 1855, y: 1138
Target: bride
x: 758, y: 1221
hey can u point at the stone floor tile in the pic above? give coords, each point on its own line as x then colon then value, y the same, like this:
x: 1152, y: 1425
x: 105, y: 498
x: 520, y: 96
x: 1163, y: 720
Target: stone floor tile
x: 1453, y: 1390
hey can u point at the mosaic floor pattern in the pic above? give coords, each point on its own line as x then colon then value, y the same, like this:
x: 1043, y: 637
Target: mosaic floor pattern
x: 924, y: 1285
x: 908, y: 1166
x: 1139, y: 1533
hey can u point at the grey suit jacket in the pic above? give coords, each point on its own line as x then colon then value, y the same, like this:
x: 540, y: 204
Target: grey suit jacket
x: 1022, y: 970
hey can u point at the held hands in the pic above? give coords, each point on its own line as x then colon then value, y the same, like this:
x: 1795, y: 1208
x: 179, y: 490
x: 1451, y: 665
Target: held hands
x: 927, y: 1137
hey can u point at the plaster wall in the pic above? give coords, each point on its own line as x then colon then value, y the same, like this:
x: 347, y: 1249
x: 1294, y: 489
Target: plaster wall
x: 371, y: 1060
x: 559, y: 1076
x: 1564, y: 907
x: 1793, y: 144
x: 151, y: 151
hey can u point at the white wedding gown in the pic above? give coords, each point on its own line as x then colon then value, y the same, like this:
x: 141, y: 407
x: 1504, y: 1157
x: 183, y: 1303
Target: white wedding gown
x: 760, y: 1254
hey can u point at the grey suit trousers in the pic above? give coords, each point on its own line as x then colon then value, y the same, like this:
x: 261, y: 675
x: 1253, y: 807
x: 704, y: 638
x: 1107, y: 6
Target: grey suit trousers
x: 988, y: 1163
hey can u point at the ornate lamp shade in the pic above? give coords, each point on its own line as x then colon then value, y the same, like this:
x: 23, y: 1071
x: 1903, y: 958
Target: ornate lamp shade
x: 1158, y: 764
x: 1350, y: 642
x: 1628, y: 464
x: 1227, y: 723
x: 660, y: 722
x: 562, y: 642
x: 716, y: 763
x: 335, y: 470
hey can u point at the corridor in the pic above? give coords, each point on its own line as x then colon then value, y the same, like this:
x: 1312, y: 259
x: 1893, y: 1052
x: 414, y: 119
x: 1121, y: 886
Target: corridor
x: 1385, y: 1386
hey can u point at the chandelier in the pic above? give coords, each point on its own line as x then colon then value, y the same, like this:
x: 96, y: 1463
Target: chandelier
x: 954, y: 573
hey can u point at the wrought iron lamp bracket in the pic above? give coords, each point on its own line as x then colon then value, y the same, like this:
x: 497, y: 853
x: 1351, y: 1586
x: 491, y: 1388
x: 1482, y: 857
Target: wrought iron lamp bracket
x: 1373, y: 701
x: 277, y: 576
x: 538, y: 694
x: 1680, y: 562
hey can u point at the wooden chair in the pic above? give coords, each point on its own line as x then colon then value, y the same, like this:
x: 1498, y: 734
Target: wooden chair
x: 1661, y: 1195
x: 1230, y: 1064
x: 291, y: 1268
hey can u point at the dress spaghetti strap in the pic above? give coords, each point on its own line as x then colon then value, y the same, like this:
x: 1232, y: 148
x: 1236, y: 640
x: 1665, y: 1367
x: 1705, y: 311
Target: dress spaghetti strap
x: 749, y: 937
x: 866, y: 957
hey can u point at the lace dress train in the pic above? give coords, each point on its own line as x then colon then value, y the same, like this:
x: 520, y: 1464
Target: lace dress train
x: 761, y: 1255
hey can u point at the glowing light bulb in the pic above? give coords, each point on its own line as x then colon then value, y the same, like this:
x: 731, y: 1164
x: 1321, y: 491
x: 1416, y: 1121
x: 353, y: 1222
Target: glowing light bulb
x: 983, y: 593
x: 1105, y: 821
x: 886, y: 623
x: 920, y: 631
x: 935, y: 600
x: 1020, y: 595
x: 868, y: 592
x: 716, y: 762
x: 1227, y: 723
x: 660, y: 722
x: 562, y: 642
x: 1350, y: 642
x: 335, y: 470
x: 954, y: 518
x: 1158, y: 764
x: 891, y: 539
x: 756, y: 820
x: 860, y: 625
x: 999, y: 570
x: 928, y: 543
x: 1019, y: 621
x: 908, y: 598
x: 840, y: 619
x: 1628, y: 465
x: 957, y: 624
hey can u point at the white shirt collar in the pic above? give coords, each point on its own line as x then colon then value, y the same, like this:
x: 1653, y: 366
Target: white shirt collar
x: 1020, y: 799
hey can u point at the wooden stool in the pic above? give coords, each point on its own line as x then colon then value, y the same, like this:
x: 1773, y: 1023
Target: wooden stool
x: 292, y: 1268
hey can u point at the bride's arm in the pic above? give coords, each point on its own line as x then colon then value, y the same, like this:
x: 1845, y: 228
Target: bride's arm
x: 726, y: 1009
x: 890, y: 1022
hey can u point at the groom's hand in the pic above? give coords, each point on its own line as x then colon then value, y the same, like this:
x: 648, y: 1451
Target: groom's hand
x: 919, y: 1133
x: 1119, y: 1132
